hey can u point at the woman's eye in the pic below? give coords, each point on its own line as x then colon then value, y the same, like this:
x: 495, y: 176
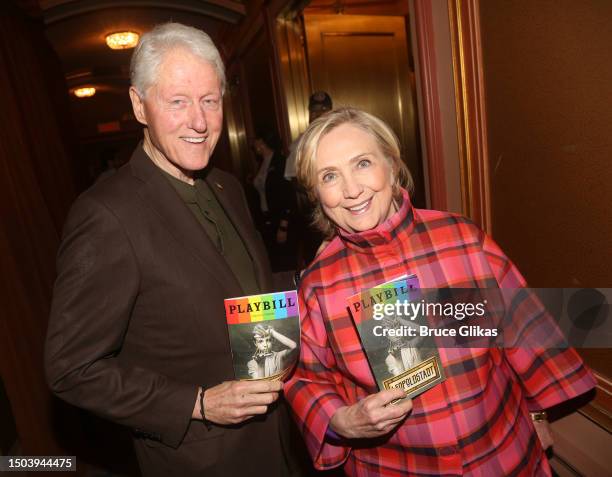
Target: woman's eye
x: 364, y: 163
x: 328, y: 177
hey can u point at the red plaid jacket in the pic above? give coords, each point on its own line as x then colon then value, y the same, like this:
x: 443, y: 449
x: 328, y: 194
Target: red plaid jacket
x: 477, y: 421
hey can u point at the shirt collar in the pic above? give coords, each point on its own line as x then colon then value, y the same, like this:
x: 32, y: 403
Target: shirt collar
x: 186, y: 192
x: 384, y: 234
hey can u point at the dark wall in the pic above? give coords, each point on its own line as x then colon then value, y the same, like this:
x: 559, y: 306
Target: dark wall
x: 259, y: 86
x: 8, y: 433
x: 548, y: 79
x: 36, y: 188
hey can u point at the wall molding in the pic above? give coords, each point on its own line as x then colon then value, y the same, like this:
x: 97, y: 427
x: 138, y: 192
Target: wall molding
x: 432, y: 120
x: 466, y: 45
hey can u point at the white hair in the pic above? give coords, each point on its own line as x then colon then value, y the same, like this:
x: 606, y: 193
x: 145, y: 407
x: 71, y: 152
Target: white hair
x: 154, y: 44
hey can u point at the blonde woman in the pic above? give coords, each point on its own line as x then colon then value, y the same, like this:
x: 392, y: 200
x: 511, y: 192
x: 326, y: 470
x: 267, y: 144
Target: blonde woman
x: 478, y: 421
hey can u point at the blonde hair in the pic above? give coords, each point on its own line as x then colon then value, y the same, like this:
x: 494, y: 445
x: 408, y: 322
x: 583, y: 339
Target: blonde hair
x: 308, y: 144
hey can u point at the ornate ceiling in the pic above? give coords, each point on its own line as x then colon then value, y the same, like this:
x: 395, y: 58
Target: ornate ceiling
x: 77, y: 30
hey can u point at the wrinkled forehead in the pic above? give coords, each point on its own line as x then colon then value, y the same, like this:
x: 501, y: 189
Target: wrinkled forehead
x: 179, y: 67
x: 346, y: 137
x: 342, y: 142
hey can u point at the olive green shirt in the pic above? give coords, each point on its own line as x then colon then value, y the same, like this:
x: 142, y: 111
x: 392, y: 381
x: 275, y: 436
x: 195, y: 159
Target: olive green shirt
x: 203, y: 203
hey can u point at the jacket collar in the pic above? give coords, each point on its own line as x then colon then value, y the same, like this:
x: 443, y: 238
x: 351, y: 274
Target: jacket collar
x: 384, y: 234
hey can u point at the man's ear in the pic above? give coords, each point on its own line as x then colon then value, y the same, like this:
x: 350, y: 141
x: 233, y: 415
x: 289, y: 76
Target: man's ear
x: 138, y: 106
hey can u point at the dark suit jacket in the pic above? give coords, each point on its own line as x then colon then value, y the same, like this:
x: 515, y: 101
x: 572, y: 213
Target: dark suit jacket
x: 137, y: 321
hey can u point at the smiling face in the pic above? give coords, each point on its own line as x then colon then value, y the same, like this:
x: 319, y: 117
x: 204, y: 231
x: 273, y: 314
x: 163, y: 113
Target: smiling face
x: 353, y: 179
x: 183, y: 113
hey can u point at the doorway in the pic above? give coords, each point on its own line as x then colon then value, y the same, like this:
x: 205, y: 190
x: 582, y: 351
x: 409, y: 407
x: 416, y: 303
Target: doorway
x: 361, y: 60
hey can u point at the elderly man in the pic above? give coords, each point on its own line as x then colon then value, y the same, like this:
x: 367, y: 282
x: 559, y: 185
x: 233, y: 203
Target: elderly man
x: 137, y: 331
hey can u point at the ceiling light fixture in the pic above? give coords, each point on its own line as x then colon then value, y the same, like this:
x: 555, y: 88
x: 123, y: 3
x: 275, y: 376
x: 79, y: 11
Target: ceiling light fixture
x: 122, y: 40
x: 85, y: 92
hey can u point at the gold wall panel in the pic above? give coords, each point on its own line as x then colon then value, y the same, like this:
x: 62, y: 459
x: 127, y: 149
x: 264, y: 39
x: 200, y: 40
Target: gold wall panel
x: 363, y: 61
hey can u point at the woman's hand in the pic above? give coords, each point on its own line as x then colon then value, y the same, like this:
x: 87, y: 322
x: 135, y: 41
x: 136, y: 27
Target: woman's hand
x: 371, y: 417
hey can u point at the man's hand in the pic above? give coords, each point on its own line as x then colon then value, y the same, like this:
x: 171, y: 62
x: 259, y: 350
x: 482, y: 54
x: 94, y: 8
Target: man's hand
x: 371, y: 417
x: 233, y: 402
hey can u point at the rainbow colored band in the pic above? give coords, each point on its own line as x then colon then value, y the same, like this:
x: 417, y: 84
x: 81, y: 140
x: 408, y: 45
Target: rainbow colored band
x: 254, y: 308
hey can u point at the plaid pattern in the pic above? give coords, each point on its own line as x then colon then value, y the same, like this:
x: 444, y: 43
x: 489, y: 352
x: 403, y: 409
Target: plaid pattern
x: 476, y: 422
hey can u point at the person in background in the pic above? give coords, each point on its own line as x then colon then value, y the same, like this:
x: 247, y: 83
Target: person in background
x: 319, y: 103
x: 488, y: 416
x: 277, y: 203
x: 113, y: 159
x: 137, y: 332
x: 310, y: 238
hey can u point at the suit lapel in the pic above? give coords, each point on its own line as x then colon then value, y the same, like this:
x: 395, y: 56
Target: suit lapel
x: 160, y: 196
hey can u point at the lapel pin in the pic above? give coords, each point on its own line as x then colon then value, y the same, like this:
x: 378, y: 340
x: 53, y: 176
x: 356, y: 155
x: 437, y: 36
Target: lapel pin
x: 219, y: 185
